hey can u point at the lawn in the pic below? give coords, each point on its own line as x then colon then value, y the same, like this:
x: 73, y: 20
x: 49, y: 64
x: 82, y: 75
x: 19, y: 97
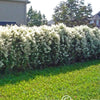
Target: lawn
x: 81, y: 81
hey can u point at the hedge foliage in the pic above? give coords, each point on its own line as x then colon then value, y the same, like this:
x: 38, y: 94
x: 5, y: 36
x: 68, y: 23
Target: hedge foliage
x: 34, y: 47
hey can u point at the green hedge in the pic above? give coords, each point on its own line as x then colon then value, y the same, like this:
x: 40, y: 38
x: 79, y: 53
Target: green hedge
x: 34, y: 47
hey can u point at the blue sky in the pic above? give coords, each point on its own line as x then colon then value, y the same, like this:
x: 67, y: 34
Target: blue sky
x: 47, y: 6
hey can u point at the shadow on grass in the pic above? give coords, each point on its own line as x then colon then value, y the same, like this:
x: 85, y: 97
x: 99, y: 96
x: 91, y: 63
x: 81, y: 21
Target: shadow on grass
x: 16, y: 77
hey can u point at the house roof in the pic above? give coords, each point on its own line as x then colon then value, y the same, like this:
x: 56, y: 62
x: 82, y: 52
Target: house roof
x: 27, y: 1
x: 98, y: 13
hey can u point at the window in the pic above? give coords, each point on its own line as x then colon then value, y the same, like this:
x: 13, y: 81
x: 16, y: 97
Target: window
x: 97, y: 22
x: 7, y: 23
x: 92, y: 21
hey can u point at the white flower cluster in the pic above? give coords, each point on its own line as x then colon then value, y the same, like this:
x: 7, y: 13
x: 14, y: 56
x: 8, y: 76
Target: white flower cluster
x: 31, y: 47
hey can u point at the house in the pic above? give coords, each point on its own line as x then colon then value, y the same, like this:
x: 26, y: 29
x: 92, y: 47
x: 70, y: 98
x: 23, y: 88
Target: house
x: 51, y: 22
x: 96, y: 19
x: 13, y: 12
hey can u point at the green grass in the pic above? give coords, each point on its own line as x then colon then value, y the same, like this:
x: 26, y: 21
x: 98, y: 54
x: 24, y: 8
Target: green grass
x: 81, y: 81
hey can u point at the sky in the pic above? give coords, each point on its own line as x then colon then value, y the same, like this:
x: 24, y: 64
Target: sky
x: 47, y: 6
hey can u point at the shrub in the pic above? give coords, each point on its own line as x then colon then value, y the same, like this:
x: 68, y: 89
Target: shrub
x: 34, y: 47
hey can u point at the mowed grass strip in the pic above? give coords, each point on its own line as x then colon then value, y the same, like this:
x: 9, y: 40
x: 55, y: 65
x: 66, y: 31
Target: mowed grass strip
x: 81, y: 81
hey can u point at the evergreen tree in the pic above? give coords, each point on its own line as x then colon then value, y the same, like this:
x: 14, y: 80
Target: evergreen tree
x: 35, y: 18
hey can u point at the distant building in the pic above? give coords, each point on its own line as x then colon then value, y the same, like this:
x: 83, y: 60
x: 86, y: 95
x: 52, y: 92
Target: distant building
x: 13, y: 12
x: 51, y: 22
x: 96, y: 19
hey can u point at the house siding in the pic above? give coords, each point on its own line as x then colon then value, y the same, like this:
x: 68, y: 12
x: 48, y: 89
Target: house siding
x: 99, y: 21
x: 96, y: 20
x: 12, y: 11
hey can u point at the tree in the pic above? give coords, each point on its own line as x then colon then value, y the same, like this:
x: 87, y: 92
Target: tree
x: 44, y: 20
x: 35, y: 18
x: 72, y: 13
